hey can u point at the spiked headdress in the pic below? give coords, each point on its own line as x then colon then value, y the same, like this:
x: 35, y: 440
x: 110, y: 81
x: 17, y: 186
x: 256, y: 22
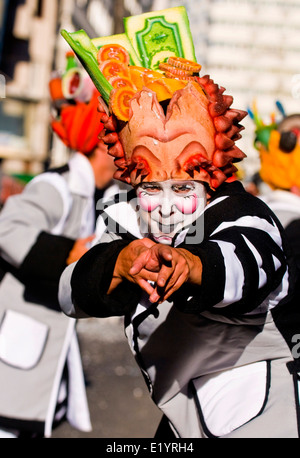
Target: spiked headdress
x: 160, y: 99
x: 203, y: 103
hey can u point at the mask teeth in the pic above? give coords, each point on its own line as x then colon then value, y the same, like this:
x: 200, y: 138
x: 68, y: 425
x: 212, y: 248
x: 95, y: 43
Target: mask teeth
x: 141, y: 169
x: 122, y: 175
x: 219, y: 103
x: 222, y: 141
x: 222, y: 123
x: 213, y: 91
x: 203, y: 80
x: 237, y: 115
x: 226, y: 121
x: 139, y: 172
x: 203, y: 173
x: 221, y: 106
x: 190, y: 172
x: 238, y: 154
x: 117, y: 150
x: 229, y: 122
x: 225, y: 124
x: 234, y: 132
x: 216, y: 178
x: 236, y: 137
x: 140, y: 176
x: 223, y: 158
x: 196, y: 161
x: 121, y: 163
x: 228, y: 169
x: 131, y: 167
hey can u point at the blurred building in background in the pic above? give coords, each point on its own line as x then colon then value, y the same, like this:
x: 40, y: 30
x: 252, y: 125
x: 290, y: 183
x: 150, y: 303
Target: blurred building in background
x: 30, y: 49
x: 26, y: 53
x: 251, y: 47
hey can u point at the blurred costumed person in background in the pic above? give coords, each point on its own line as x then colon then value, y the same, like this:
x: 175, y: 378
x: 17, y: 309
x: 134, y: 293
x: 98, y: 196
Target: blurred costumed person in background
x: 278, y: 144
x: 196, y: 265
x: 9, y: 185
x: 43, y: 229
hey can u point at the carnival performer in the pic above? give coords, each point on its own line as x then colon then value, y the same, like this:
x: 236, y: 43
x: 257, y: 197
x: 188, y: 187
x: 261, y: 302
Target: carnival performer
x: 43, y: 229
x: 197, y: 266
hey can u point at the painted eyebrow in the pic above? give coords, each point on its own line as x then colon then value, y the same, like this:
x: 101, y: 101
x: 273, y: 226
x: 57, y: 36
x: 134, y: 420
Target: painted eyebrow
x: 150, y: 185
x: 184, y: 185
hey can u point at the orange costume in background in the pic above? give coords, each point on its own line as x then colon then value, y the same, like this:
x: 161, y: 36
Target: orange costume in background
x: 75, y: 100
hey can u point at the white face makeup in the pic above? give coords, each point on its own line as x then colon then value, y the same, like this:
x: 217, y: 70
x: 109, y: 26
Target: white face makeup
x: 167, y: 207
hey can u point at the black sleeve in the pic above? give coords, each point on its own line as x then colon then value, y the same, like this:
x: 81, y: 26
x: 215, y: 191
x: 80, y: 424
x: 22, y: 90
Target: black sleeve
x: 91, y: 279
x: 242, y: 255
x: 42, y: 267
x: 293, y: 235
x: 211, y: 291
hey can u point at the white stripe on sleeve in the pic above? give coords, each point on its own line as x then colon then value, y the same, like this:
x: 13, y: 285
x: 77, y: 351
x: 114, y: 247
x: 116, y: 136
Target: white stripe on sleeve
x: 235, y: 281
x: 254, y: 222
x: 261, y: 272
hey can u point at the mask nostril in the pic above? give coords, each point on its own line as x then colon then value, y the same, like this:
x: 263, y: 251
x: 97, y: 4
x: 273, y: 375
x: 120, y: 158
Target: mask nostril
x: 288, y: 141
x: 167, y: 213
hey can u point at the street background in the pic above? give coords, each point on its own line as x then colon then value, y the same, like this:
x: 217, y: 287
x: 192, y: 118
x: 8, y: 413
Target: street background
x: 250, y: 47
x: 119, y: 401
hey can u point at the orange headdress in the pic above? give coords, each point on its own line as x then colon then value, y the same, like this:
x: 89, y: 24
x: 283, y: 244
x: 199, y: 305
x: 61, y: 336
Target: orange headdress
x: 165, y: 120
x: 74, y: 98
x: 278, y: 143
x: 188, y: 132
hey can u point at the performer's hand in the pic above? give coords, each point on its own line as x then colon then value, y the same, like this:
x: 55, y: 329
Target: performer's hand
x: 80, y: 247
x: 126, y: 260
x: 174, y: 266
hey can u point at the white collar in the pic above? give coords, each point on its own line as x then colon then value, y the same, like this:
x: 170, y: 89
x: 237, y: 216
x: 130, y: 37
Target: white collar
x: 284, y: 200
x: 82, y: 178
x: 125, y: 215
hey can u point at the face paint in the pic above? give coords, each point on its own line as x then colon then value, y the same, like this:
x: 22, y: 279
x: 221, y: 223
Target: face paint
x: 167, y: 207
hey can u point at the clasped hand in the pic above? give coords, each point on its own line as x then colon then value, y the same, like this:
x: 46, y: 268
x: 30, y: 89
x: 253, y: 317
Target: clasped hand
x: 158, y: 269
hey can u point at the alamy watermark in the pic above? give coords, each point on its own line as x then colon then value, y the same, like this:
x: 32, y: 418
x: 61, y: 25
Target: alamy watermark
x: 2, y: 87
x: 121, y: 220
x: 296, y: 348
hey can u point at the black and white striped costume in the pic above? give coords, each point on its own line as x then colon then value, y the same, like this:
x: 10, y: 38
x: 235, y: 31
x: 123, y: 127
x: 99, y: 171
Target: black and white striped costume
x: 218, y: 360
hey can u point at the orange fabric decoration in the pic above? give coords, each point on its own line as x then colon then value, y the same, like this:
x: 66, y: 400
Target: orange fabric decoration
x: 79, y: 125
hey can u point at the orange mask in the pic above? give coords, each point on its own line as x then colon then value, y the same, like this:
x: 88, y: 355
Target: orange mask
x: 278, y: 145
x: 280, y: 169
x: 79, y: 125
x: 194, y: 139
x: 75, y: 100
